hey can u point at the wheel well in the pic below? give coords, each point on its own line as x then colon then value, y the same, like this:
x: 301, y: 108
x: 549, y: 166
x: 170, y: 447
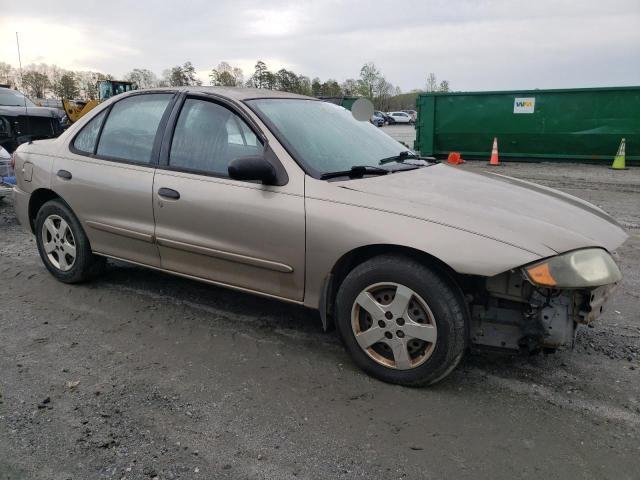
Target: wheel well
x: 359, y: 255
x: 39, y: 198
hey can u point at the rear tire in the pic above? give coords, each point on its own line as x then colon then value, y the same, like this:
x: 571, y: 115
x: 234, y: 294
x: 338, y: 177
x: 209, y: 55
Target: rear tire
x: 412, y: 328
x: 63, y: 246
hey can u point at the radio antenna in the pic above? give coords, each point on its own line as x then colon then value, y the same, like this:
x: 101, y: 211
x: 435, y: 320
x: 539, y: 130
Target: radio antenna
x: 20, y: 63
x: 26, y: 110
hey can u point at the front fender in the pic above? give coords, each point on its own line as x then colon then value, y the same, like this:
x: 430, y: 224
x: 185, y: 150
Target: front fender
x: 335, y: 228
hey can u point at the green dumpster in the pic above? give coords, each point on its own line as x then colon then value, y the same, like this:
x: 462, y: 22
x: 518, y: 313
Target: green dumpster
x: 581, y: 124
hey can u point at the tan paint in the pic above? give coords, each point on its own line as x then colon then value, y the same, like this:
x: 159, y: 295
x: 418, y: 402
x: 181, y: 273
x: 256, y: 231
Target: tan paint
x: 116, y: 199
x: 243, y: 220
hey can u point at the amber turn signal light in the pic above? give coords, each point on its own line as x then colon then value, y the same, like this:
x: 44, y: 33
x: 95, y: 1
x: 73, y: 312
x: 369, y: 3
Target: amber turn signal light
x: 541, y: 275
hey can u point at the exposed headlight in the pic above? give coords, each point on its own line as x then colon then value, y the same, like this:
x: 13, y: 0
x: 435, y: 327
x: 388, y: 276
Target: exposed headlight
x: 591, y: 267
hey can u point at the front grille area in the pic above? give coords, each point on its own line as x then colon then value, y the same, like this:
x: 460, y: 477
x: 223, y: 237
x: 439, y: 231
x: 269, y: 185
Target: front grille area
x: 37, y: 126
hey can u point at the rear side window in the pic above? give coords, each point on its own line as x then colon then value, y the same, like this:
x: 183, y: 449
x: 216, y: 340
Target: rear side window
x: 85, y: 141
x: 208, y: 136
x: 131, y: 127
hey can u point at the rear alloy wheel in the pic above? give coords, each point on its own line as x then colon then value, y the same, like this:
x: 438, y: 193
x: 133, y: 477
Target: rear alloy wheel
x: 401, y: 321
x: 63, y: 245
x: 58, y: 242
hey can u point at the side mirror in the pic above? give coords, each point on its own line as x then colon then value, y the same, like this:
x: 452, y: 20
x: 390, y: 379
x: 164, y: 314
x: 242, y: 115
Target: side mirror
x: 254, y: 167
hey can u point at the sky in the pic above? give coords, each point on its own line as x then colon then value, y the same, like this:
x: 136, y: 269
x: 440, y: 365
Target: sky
x: 474, y: 44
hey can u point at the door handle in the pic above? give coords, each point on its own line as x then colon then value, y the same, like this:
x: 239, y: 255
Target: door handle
x: 169, y: 193
x: 64, y: 174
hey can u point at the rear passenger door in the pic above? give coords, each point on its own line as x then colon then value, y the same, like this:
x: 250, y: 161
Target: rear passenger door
x: 237, y: 233
x: 107, y: 176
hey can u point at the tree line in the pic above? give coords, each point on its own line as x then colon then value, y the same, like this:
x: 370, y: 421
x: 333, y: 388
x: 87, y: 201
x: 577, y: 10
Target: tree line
x: 46, y: 81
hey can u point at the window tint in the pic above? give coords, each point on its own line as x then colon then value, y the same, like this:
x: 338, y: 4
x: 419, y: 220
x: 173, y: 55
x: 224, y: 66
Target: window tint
x: 130, y: 129
x: 208, y: 136
x: 86, y: 139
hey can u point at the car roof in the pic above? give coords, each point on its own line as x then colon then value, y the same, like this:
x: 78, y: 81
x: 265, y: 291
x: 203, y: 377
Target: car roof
x: 235, y: 93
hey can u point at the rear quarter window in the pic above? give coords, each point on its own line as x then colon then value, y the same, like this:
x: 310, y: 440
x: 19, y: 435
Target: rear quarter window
x: 85, y: 141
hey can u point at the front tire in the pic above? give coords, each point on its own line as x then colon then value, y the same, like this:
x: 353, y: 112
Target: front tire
x: 401, y: 321
x: 63, y: 246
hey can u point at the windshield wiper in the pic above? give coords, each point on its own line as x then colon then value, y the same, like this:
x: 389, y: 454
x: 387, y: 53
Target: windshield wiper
x: 357, y: 171
x: 401, y: 157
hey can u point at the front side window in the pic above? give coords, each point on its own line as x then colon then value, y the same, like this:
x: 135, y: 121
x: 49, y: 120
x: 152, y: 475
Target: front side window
x: 85, y: 142
x: 208, y: 136
x: 239, y: 132
x: 131, y: 127
x: 325, y: 137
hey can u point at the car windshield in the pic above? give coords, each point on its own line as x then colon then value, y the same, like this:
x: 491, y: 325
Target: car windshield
x: 11, y: 98
x: 325, y: 137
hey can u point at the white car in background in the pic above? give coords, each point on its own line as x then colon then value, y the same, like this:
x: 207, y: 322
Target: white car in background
x: 400, y: 117
x: 412, y: 113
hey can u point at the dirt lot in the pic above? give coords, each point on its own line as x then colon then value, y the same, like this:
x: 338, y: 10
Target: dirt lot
x: 140, y: 375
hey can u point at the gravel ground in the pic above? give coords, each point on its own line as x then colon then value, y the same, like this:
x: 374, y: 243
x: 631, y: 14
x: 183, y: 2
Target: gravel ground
x: 140, y: 375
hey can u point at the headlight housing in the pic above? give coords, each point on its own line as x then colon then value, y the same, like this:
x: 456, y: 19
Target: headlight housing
x: 590, y: 267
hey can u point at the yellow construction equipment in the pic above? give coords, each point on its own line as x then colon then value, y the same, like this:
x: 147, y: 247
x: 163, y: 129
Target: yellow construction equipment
x: 106, y: 89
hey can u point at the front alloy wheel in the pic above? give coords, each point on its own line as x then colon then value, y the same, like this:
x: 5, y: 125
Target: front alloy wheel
x: 394, y: 325
x: 402, y: 321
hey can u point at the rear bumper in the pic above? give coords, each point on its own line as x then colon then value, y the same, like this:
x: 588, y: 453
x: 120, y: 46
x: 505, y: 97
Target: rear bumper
x: 21, y: 206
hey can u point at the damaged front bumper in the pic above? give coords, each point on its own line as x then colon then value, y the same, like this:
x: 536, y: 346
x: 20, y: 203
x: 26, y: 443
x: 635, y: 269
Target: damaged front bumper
x: 511, y: 313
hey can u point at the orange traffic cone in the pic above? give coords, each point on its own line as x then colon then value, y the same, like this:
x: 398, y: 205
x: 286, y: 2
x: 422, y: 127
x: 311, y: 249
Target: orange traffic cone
x: 454, y: 158
x: 494, y: 162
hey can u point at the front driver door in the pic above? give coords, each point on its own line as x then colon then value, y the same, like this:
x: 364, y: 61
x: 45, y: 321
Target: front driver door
x: 237, y: 233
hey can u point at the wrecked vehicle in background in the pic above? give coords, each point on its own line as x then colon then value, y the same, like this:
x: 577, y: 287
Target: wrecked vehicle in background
x: 292, y: 198
x: 21, y: 120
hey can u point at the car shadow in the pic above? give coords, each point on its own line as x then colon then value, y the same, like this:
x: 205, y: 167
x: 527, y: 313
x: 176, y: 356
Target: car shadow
x: 269, y: 312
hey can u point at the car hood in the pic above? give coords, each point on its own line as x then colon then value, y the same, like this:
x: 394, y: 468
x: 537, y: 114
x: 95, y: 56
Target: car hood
x: 532, y: 217
x: 30, y: 111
